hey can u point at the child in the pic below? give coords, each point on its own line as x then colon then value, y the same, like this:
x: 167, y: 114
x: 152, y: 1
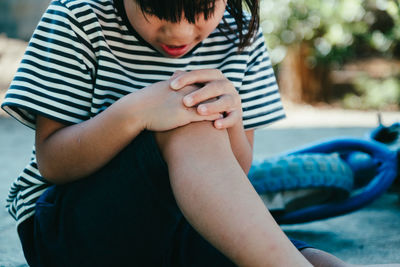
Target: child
x: 144, y: 113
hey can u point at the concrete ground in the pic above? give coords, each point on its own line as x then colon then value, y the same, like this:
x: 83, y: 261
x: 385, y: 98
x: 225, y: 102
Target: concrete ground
x: 370, y: 235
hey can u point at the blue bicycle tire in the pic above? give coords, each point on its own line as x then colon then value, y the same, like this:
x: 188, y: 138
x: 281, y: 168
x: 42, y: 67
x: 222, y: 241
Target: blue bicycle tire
x: 299, y: 171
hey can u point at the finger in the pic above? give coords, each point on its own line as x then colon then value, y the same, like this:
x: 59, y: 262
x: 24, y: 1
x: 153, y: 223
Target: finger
x: 225, y: 103
x: 209, y: 91
x: 196, y: 76
x: 211, y: 117
x: 187, y: 90
x: 176, y: 74
x: 228, y: 121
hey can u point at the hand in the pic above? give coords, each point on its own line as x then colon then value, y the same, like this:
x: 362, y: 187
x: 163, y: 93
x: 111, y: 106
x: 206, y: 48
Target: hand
x: 214, y: 86
x: 163, y: 107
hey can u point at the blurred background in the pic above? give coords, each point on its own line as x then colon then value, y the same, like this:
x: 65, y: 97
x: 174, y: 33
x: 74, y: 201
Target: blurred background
x: 337, y: 63
x: 340, y: 52
x: 331, y: 53
x: 18, y: 19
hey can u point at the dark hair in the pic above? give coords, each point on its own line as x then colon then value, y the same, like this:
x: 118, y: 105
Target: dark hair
x: 172, y: 10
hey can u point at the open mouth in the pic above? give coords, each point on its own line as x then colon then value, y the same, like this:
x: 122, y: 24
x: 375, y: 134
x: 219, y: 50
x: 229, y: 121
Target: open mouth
x: 175, y: 50
x: 175, y: 46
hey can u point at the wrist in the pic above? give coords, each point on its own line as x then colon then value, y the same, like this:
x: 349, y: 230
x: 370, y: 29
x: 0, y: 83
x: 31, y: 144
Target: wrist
x: 129, y: 112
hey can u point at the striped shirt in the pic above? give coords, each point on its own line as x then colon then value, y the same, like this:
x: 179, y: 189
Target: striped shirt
x: 84, y: 55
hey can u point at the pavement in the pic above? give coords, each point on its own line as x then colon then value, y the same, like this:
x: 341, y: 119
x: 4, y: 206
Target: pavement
x: 367, y: 236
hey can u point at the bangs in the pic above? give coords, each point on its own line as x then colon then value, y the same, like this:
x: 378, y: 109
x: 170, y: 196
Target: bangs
x: 172, y: 10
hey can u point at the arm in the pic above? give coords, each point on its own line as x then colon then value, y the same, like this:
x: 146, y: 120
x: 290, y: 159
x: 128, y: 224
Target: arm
x: 242, y: 145
x: 67, y: 153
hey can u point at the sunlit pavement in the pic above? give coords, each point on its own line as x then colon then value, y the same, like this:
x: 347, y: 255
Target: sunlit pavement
x: 370, y: 235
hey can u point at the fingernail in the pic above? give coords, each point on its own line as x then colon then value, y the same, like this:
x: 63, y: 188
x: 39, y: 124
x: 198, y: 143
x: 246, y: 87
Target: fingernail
x: 218, y: 124
x: 188, y: 100
x: 175, y: 84
x: 202, y: 109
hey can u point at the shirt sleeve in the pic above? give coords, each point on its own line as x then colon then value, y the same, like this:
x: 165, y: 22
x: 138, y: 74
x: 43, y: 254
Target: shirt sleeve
x: 55, y: 76
x: 259, y: 92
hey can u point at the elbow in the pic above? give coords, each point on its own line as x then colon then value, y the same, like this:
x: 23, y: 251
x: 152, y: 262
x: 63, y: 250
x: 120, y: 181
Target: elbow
x: 48, y: 173
x: 50, y: 167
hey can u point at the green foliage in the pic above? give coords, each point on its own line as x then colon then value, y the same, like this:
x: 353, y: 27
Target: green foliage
x: 374, y: 93
x: 338, y: 30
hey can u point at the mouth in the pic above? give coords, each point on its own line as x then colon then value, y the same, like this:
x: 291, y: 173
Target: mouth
x: 175, y: 51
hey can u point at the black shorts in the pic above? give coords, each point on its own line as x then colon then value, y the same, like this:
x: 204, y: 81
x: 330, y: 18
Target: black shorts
x: 123, y: 215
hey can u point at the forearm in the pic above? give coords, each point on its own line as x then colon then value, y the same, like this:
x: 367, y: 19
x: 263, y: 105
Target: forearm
x: 72, y: 152
x: 241, y: 147
x: 68, y: 153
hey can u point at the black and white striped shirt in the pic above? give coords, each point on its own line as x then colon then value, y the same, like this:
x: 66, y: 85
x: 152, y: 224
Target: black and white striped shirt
x: 84, y: 55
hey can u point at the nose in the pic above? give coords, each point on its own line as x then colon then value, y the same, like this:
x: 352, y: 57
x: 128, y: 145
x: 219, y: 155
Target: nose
x: 181, y: 32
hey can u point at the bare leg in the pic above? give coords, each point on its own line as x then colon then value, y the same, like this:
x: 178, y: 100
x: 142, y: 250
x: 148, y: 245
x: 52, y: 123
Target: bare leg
x: 319, y: 258
x: 217, y: 199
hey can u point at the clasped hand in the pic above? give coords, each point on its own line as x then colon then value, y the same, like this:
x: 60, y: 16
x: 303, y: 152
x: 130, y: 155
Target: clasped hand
x: 200, y: 95
x: 216, y: 95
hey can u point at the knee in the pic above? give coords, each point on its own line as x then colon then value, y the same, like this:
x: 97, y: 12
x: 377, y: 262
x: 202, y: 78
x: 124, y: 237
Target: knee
x: 196, y: 137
